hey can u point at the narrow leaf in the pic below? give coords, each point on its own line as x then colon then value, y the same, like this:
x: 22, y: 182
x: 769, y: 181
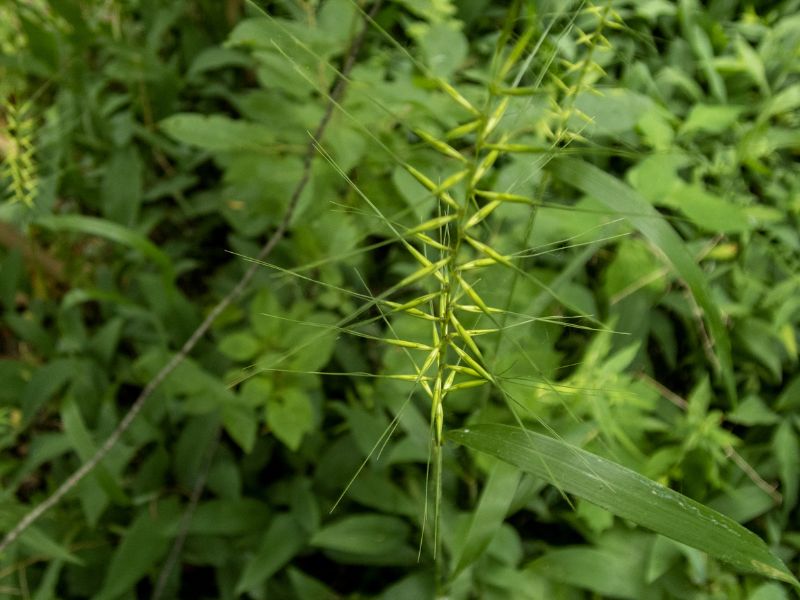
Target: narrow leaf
x: 111, y: 231
x: 490, y: 513
x: 627, y: 203
x: 81, y: 439
x: 141, y: 548
x: 627, y: 494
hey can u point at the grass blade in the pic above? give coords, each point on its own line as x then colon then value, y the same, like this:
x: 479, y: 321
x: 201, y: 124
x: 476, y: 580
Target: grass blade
x: 627, y: 494
x: 623, y: 200
x: 110, y: 231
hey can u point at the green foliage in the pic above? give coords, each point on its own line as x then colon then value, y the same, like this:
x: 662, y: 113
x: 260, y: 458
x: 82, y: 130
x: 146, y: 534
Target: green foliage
x: 563, y: 235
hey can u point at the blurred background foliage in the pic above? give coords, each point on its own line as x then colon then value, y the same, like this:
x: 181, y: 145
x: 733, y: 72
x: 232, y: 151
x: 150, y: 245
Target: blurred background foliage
x: 149, y: 146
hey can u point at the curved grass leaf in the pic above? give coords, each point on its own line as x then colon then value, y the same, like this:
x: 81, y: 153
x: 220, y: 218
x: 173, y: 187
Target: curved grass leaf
x: 110, y: 231
x: 623, y: 200
x: 627, y: 494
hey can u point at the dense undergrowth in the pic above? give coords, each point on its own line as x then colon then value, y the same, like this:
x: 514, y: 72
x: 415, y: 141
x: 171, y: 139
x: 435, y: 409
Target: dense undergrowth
x: 574, y: 221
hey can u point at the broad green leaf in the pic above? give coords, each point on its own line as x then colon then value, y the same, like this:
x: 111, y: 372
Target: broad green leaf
x: 263, y: 307
x: 601, y: 570
x: 314, y: 346
x: 43, y: 43
x: 191, y: 379
x: 786, y: 100
x: 30, y: 331
x: 596, y: 519
x: 287, y: 51
x: 744, y: 503
x: 612, y: 111
x: 656, y: 129
x: 707, y: 211
x: 290, y: 416
x: 304, y: 504
x: 240, y: 345
x: 789, y: 400
x: 188, y: 455
x: 227, y: 517
x: 376, y: 490
x: 347, y: 147
x: 241, y: 424
x: 363, y: 534
x: 627, y: 494
x: 632, y: 269
x: 411, y: 587
x: 769, y: 591
x: 141, y: 549
x: 337, y: 18
x: 506, y: 545
x: 283, y: 539
x: 44, y: 448
x: 711, y: 119
x: 81, y: 440
x: 266, y: 33
x: 45, y: 382
x: 256, y: 390
x: 435, y: 11
x: 623, y: 200
x: 756, y: 337
x: 104, y: 341
x: 753, y: 411
x: 653, y: 9
x: 490, y: 513
x: 664, y: 553
x: 305, y: 586
x: 284, y: 72
x: 218, y: 133
x: 444, y: 48
x: 217, y: 58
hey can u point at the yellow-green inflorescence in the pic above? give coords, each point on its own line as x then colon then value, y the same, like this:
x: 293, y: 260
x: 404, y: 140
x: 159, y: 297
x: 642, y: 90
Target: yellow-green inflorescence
x: 453, y: 352
x: 18, y: 150
x: 448, y: 247
x: 453, y: 360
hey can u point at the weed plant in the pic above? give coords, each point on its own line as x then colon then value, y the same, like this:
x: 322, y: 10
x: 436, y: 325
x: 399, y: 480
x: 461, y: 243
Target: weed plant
x: 462, y: 268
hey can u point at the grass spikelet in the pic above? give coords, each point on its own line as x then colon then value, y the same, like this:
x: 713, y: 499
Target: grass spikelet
x: 19, y: 154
